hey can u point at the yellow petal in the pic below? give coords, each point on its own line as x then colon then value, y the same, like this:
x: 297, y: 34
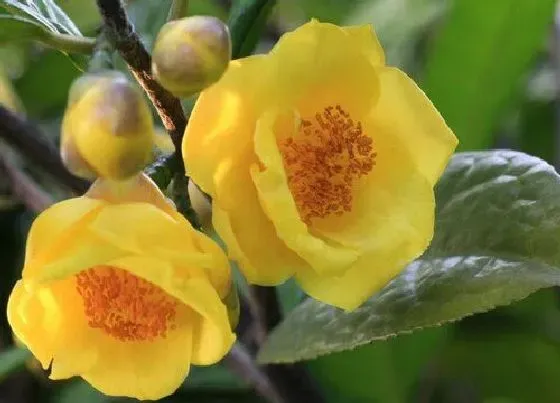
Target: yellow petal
x: 218, y: 272
x: 56, y: 227
x: 213, y: 141
x: 279, y: 205
x: 367, y: 276
x: 404, y: 111
x: 83, y: 253
x: 321, y: 64
x: 50, y: 322
x: 144, y: 370
x: 245, y: 232
x: 212, y: 336
x: 138, y: 189
x: 25, y: 316
x: 365, y: 37
x: 391, y: 223
x: 213, y: 339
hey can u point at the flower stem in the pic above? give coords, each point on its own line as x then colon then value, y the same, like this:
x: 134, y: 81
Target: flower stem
x: 102, y: 57
x: 68, y: 43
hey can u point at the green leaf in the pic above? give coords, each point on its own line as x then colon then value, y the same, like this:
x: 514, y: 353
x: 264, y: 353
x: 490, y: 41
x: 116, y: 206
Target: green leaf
x: 496, y: 241
x: 297, y: 12
x: 13, y: 28
x: 44, y: 12
x: 42, y: 100
x: 479, y: 59
x: 12, y: 359
x: 247, y: 21
x: 44, y: 21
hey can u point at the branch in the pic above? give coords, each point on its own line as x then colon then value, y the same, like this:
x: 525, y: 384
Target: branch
x: 292, y: 380
x: 267, y: 308
x: 240, y: 362
x: 30, y: 141
x: 68, y: 43
x: 121, y: 33
x: 23, y: 186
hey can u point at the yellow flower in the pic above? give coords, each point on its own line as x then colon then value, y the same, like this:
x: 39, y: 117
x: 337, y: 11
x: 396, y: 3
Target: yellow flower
x: 320, y: 161
x: 121, y: 291
x: 107, y: 130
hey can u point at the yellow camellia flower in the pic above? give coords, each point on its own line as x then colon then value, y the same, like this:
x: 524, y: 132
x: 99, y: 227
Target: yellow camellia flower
x: 119, y: 289
x: 321, y: 162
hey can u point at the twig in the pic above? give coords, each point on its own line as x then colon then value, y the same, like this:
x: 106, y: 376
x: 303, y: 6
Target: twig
x: 240, y: 361
x: 266, y: 307
x: 30, y: 141
x: 68, y: 43
x: 23, y: 186
x: 121, y: 33
x: 292, y: 380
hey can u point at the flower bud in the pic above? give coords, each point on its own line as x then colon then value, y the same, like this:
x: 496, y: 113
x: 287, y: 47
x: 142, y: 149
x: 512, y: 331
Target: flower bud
x: 8, y: 97
x: 107, y: 130
x: 190, y: 54
x: 201, y: 206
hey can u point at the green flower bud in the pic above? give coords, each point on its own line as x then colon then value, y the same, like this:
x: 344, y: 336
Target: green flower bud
x: 190, y: 54
x: 107, y: 130
x: 201, y: 206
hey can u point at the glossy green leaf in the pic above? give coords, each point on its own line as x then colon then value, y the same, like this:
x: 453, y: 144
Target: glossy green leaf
x: 44, y: 12
x: 496, y: 241
x: 247, y: 21
x: 477, y: 63
x: 14, y: 28
x: 12, y: 359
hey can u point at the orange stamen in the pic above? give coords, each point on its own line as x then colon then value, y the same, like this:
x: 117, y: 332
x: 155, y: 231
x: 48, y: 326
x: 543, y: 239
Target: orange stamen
x: 324, y: 161
x: 125, y: 306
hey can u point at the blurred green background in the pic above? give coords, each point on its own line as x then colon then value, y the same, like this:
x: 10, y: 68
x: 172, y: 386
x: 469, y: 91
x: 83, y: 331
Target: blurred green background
x: 493, y: 70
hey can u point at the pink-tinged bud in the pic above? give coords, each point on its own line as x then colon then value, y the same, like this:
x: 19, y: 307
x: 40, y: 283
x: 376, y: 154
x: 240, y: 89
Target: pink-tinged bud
x: 107, y: 130
x: 190, y: 54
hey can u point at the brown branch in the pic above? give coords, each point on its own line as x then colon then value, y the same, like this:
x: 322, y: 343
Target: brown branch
x: 121, y: 33
x: 241, y: 363
x: 292, y: 380
x: 31, y: 142
x: 266, y: 309
x: 23, y: 186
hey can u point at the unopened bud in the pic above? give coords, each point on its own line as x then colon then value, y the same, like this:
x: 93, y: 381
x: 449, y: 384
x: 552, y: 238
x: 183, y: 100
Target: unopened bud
x: 8, y: 97
x: 201, y: 206
x: 107, y: 129
x: 190, y: 54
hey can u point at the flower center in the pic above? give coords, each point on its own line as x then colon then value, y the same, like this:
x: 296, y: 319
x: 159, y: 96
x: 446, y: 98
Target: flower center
x: 322, y: 163
x: 124, y: 306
